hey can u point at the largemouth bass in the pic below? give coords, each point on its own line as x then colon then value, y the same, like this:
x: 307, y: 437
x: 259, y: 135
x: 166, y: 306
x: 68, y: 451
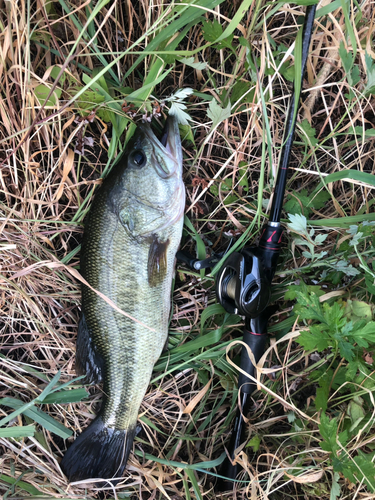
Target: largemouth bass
x: 130, y: 240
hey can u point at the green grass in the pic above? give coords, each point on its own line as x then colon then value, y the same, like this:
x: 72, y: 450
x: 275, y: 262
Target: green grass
x: 74, y: 81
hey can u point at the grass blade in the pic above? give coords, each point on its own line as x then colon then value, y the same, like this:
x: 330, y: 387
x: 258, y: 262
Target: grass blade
x: 17, y: 431
x: 36, y: 415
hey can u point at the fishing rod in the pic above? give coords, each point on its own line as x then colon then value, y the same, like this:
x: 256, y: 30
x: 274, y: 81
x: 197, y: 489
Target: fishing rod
x: 243, y: 284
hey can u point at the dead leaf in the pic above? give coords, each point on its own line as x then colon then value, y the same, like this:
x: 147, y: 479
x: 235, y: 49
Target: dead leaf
x: 68, y: 165
x: 193, y: 403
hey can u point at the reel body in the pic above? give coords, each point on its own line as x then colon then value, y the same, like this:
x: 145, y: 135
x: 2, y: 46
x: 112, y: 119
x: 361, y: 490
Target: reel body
x: 243, y: 284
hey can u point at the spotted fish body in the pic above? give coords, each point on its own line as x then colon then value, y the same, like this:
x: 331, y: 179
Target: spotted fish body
x: 130, y: 241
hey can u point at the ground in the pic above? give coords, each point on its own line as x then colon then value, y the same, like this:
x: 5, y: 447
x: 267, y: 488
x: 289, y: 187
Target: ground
x: 74, y: 78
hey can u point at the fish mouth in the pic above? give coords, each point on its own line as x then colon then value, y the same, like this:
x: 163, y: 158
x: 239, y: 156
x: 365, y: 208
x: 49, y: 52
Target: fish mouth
x: 167, y: 150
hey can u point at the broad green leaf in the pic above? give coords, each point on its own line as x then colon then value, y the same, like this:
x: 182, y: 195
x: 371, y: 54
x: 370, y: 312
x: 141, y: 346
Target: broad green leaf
x: 212, y: 30
x: 370, y: 284
x: 356, y: 75
x: 181, y: 94
x: 365, y: 469
x: 319, y: 200
x: 320, y: 238
x: 357, y: 309
x: 288, y: 72
x: 358, y: 130
x: 294, y: 205
x: 243, y: 175
x: 42, y: 91
x: 314, y: 339
x: 356, y: 411
x: 218, y: 114
x: 335, y: 489
x: 187, y: 134
x: 254, y: 443
x: 310, y: 132
x: 302, y: 199
x: 177, y: 109
x: 322, y: 393
x: 370, y: 71
x: 99, y: 94
x: 190, y: 61
x: 346, y: 349
x: 347, y: 60
x: 298, y: 223
x: 55, y: 71
x: 229, y: 199
x: 89, y: 99
x: 342, y: 266
x: 291, y: 294
x: 366, y: 333
x: 328, y: 431
x: 242, y: 92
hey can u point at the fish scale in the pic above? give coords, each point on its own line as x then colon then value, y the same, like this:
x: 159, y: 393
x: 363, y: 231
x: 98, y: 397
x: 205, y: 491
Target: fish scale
x: 131, y: 237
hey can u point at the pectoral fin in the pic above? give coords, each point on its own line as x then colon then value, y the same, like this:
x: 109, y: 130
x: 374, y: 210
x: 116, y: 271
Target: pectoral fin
x: 157, y: 261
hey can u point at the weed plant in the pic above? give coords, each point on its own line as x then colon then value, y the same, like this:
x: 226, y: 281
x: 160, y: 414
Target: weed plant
x: 75, y: 78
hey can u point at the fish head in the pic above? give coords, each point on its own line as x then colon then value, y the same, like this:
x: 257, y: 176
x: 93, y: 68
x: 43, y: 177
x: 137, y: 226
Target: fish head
x: 150, y: 193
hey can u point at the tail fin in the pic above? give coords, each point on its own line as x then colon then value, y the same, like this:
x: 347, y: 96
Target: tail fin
x: 99, y: 452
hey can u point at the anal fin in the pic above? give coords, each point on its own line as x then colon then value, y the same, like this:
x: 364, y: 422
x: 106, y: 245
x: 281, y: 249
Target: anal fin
x: 88, y: 361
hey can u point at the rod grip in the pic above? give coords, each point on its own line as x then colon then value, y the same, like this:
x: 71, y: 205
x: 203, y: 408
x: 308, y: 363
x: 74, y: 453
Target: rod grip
x: 255, y: 336
x: 256, y: 342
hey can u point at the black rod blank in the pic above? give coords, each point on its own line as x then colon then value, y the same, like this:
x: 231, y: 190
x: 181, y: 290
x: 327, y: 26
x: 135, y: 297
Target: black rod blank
x: 278, y: 196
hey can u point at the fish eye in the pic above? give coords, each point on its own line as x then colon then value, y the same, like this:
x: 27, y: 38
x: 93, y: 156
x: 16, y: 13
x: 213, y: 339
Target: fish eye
x: 138, y: 158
